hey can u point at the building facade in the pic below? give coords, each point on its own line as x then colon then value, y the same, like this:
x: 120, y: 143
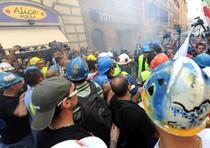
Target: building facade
x: 68, y: 12
x: 113, y: 23
x: 97, y: 24
x: 122, y: 24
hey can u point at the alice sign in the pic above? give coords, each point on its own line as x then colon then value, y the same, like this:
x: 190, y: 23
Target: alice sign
x: 24, y: 12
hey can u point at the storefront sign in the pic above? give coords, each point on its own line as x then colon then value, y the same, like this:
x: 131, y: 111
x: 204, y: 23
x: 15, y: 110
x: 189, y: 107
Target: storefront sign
x: 24, y: 12
x: 18, y: 12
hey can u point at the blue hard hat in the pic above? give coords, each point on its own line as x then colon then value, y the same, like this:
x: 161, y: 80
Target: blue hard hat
x: 105, y: 64
x: 77, y: 69
x: 30, y: 68
x: 101, y: 79
x: 203, y: 60
x: 8, y: 79
x: 146, y: 48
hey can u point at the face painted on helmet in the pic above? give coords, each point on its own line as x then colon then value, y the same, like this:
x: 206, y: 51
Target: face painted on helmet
x: 175, y: 97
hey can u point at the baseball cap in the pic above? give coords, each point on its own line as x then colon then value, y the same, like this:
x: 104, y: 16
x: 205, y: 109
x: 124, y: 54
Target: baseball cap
x: 87, y: 142
x: 45, y: 98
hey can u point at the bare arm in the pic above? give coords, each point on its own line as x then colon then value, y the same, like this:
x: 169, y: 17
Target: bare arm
x: 114, y: 135
x: 21, y: 110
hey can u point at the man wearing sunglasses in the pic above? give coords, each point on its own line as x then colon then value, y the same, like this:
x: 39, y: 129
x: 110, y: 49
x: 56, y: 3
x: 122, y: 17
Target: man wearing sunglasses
x: 53, y: 102
x: 60, y: 61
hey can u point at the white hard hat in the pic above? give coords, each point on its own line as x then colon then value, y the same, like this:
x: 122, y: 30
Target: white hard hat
x: 123, y: 59
x: 88, y: 142
x: 102, y: 54
x: 5, y: 67
x: 110, y: 54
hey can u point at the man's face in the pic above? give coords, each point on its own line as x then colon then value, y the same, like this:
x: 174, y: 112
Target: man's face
x: 170, y: 53
x: 200, y: 49
x: 18, y: 87
x: 60, y: 57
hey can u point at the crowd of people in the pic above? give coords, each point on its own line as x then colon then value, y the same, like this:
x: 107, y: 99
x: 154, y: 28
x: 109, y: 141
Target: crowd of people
x: 86, y: 99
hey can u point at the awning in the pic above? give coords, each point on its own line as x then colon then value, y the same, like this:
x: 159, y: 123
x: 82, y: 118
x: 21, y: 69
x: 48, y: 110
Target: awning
x: 26, y: 37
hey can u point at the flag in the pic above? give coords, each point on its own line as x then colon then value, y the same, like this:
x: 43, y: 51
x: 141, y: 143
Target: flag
x: 184, y: 48
x: 206, y: 9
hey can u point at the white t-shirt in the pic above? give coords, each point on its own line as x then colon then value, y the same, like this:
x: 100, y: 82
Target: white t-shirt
x: 204, y: 135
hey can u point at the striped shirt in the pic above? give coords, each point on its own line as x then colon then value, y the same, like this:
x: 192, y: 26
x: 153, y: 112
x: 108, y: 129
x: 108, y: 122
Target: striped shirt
x: 84, y: 90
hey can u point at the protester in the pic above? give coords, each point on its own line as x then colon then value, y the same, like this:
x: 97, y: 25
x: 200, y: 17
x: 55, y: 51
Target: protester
x: 136, y: 130
x: 60, y: 62
x: 36, y: 61
x: 53, y: 100
x: 13, y: 112
x: 177, y: 99
x: 106, y: 67
x: 124, y: 62
x: 90, y: 96
x: 32, y: 76
x: 199, y: 48
x: 91, y: 61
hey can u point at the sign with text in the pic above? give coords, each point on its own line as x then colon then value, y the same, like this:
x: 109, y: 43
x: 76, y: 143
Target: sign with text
x: 18, y: 12
x: 24, y: 12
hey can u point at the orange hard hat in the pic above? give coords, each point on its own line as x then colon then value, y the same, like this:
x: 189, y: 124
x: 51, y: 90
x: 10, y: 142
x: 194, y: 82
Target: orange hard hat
x: 158, y: 59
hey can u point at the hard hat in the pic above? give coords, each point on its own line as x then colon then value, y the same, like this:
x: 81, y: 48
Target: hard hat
x: 102, y: 54
x: 4, y: 67
x: 110, y: 54
x: 35, y: 61
x: 146, y: 48
x: 155, y: 46
x: 87, y: 142
x: 203, y: 60
x: 8, y: 79
x: 101, y: 80
x: 30, y: 68
x: 158, y: 59
x: 91, y: 58
x: 77, y: 69
x: 176, y: 99
x: 105, y: 64
x: 123, y: 59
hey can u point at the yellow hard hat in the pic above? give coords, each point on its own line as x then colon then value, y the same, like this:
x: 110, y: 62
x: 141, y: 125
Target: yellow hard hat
x: 35, y: 61
x: 91, y: 58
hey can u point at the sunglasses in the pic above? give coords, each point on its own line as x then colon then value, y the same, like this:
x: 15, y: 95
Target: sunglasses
x: 69, y: 96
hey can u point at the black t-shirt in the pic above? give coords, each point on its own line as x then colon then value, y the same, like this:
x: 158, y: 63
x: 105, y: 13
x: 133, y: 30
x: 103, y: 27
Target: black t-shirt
x: 136, y: 129
x: 16, y: 128
x: 47, y: 137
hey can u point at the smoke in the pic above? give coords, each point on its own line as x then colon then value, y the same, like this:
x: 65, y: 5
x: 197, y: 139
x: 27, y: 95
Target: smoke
x: 124, y: 23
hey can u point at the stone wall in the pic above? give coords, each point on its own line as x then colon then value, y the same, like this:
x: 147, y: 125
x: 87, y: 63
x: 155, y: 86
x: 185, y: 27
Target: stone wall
x: 70, y: 13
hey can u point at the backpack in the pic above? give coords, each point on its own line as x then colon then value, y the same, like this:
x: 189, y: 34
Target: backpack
x: 92, y: 113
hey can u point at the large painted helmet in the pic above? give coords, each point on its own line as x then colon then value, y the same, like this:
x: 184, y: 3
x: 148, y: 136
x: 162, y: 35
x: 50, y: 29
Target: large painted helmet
x: 77, y: 69
x: 176, y: 97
